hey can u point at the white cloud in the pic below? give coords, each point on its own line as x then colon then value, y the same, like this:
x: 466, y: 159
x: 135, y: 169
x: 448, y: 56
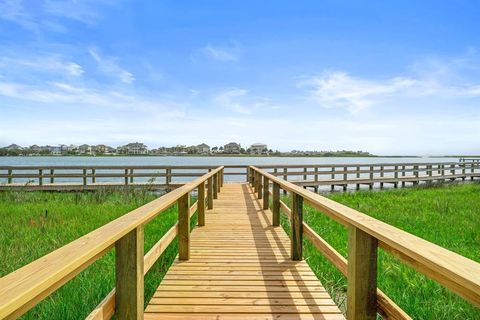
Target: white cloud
x: 230, y: 99
x: 49, y: 63
x: 222, y: 53
x: 14, y: 11
x: 338, y: 89
x: 109, y: 65
x: 59, y: 93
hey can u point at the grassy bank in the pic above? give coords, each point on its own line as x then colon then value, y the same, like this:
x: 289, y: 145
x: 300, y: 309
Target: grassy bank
x: 447, y: 215
x: 36, y: 223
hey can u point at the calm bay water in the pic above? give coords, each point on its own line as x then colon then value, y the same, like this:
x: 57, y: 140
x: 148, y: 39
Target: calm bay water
x: 151, y: 160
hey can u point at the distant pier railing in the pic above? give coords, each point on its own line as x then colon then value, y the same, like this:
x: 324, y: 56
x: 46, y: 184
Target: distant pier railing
x: 314, y: 176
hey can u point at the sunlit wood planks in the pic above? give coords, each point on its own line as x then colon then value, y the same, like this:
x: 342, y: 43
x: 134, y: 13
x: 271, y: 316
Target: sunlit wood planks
x: 240, y: 268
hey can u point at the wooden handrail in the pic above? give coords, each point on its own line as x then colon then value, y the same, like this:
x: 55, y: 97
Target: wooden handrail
x: 25, y: 287
x: 459, y: 274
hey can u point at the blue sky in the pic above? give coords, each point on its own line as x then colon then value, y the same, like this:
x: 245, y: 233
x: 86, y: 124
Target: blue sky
x: 389, y: 77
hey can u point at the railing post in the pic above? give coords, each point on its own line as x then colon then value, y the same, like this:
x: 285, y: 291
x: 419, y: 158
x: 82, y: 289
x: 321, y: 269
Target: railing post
x: 361, y: 276
x: 129, y: 296
x: 266, y: 194
x: 93, y: 176
x: 10, y: 176
x: 52, y: 179
x: 285, y: 177
x: 370, y: 186
x: 168, y: 176
x: 415, y: 173
x: 84, y: 177
x: 184, y: 227
x: 332, y: 187
x: 345, y: 177
x: 296, y: 223
x: 210, y: 193
x: 40, y: 177
x: 260, y: 186
x: 126, y: 176
x: 276, y: 204
x: 222, y: 177
x: 131, y: 175
x: 215, y: 188
x: 382, y: 174
x: 219, y: 180
x: 201, y: 204
x: 304, y: 175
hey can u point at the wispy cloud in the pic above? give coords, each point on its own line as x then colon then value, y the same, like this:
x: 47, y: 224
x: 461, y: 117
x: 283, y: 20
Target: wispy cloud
x: 340, y: 90
x: 109, y: 65
x: 240, y: 101
x: 37, y: 16
x: 60, y: 93
x: 230, y: 52
x: 230, y: 99
x: 47, y: 63
x: 14, y: 11
x: 436, y: 78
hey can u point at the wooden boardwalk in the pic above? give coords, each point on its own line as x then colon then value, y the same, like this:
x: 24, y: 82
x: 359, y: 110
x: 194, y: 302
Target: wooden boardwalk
x: 240, y: 268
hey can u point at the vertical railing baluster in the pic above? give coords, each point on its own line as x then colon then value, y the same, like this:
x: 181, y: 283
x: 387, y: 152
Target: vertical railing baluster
x: 215, y: 186
x: 184, y: 227
x: 210, y: 193
x: 266, y: 194
x: 126, y: 176
x: 260, y: 186
x: 276, y: 204
x: 201, y: 204
x: 131, y: 175
x: 129, y: 295
x: 93, y: 176
x: 52, y: 178
x: 361, y: 275
x: 10, y: 176
x: 296, y: 223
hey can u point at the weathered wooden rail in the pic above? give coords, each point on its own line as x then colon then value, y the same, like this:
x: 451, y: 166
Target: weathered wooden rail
x: 170, y: 177
x: 366, y: 235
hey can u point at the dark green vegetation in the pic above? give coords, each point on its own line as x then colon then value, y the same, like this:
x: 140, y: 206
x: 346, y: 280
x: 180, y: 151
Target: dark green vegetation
x: 446, y: 215
x: 36, y: 223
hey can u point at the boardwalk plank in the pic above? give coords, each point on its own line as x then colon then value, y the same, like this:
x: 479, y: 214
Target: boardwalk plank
x: 240, y: 268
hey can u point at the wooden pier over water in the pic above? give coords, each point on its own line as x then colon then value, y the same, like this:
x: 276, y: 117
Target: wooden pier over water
x: 238, y: 263
x: 315, y: 177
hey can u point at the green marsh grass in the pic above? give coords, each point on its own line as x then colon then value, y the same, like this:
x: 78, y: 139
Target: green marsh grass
x: 447, y: 215
x: 36, y: 223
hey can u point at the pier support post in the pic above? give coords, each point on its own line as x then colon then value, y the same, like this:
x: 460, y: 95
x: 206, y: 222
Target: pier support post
x: 260, y: 187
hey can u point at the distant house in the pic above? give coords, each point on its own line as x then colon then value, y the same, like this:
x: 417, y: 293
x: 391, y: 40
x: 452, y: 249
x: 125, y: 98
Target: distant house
x: 258, y: 148
x: 85, y: 149
x: 231, y: 147
x: 55, y: 150
x: 103, y: 149
x: 134, y: 148
x: 203, y: 148
x: 13, y: 147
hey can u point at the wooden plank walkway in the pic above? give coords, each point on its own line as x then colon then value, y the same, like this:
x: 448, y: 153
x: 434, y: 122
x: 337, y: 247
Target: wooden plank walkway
x: 240, y: 268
